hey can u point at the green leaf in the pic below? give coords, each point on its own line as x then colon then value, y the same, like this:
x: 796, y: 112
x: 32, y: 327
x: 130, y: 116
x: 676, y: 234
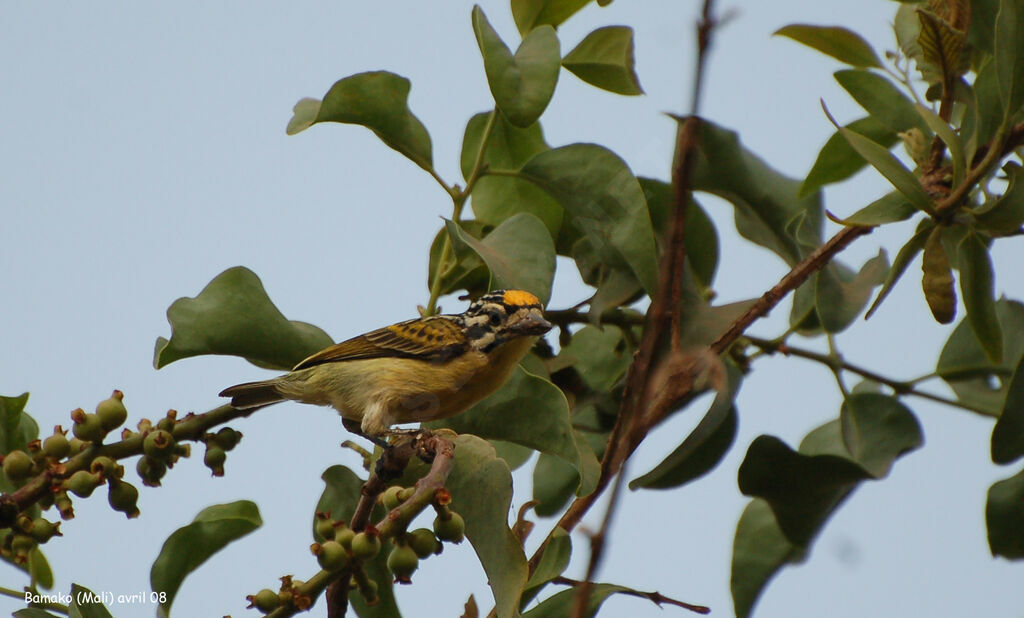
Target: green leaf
x: 701, y: 237
x: 840, y: 294
x: 942, y: 58
x: 481, y: 487
x: 842, y: 44
x: 522, y: 84
x: 949, y: 137
x: 981, y: 123
x: 563, y: 603
x: 1004, y: 216
x: 759, y: 550
x: 554, y: 483
x: 964, y: 365
x: 977, y: 286
x: 600, y: 356
x: 86, y: 604
x: 377, y: 100
x: 342, y: 491
x: 528, y: 410
x: 889, y: 208
x: 468, y: 271
x: 553, y: 563
x: 765, y: 201
x: 519, y: 253
x: 496, y: 198
x: 937, y: 279
x: 904, y: 257
x: 603, y: 201
x: 190, y: 546
x: 17, y: 428
x: 233, y: 315
x: 1008, y: 433
x: 802, y: 490
x: 33, y: 612
x: 704, y: 448
x: 39, y: 568
x: 529, y: 14
x: 1009, y: 56
x: 605, y: 59
x: 1004, y: 511
x: 889, y: 166
x: 877, y: 429
x: 837, y: 160
x: 880, y: 98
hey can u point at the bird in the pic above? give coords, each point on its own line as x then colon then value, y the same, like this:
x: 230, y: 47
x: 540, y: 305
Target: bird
x: 423, y: 369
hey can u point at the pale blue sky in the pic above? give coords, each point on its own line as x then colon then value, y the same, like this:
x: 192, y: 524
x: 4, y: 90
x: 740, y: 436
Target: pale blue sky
x: 144, y: 152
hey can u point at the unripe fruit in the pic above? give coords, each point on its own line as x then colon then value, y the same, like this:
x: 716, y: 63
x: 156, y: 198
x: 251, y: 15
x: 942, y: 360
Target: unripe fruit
x: 364, y: 546
x: 57, y: 445
x: 402, y: 562
x: 17, y: 465
x: 452, y: 530
x: 42, y: 530
x: 112, y: 412
x: 167, y: 422
x: 158, y: 444
x: 390, y: 498
x: 265, y: 600
x: 123, y: 497
x: 324, y: 527
x: 107, y: 467
x: 331, y: 555
x: 21, y: 545
x: 227, y: 438
x: 368, y: 588
x: 88, y: 427
x: 344, y: 535
x: 214, y: 459
x: 150, y: 470
x: 423, y: 542
x: 83, y: 482
x: 77, y: 446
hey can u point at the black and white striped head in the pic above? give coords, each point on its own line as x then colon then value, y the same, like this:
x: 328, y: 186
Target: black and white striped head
x: 502, y: 315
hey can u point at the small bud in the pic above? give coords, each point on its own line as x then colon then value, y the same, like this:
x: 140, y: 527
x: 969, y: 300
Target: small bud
x: 77, y: 446
x: 167, y: 422
x: 123, y: 497
x: 344, y: 535
x: 324, y: 527
x: 107, y: 467
x: 83, y: 482
x: 17, y: 465
x: 63, y: 504
x: 21, y: 545
x: 389, y: 499
x: 150, y: 470
x: 227, y: 438
x: 111, y: 411
x: 265, y: 600
x: 158, y: 444
x: 88, y: 427
x: 57, y: 445
x: 43, y: 530
x: 214, y: 459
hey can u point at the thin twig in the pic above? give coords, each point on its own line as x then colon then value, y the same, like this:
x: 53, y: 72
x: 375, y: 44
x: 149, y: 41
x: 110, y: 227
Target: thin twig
x: 597, y: 544
x: 655, y: 597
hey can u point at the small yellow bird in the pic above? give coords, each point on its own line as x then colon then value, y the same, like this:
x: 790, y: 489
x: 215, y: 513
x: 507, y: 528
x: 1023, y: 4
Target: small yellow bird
x: 418, y: 370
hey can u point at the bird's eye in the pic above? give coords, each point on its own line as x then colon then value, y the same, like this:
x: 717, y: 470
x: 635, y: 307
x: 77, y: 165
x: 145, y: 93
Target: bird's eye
x: 495, y: 318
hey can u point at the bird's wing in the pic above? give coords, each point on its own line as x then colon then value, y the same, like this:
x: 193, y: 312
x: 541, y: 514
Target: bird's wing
x: 431, y: 339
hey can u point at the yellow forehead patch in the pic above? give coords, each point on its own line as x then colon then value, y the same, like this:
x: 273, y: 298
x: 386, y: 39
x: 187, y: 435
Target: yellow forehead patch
x: 518, y: 298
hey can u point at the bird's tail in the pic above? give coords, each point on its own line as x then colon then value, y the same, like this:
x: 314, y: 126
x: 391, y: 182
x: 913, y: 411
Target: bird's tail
x: 253, y: 394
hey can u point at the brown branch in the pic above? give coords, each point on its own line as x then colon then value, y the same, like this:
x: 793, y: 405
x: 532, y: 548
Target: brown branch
x: 655, y: 597
x: 597, y: 542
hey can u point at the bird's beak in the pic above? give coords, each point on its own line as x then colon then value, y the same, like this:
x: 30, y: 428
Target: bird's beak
x: 531, y: 325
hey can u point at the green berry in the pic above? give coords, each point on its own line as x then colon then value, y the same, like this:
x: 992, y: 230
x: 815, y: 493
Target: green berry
x: 158, y: 444
x: 17, y: 465
x: 57, y: 445
x: 112, y: 412
x: 390, y: 498
x: 89, y: 428
x: 107, y: 466
x: 402, y: 562
x: 42, y: 530
x: 227, y: 438
x: 123, y: 498
x: 344, y: 535
x: 150, y: 470
x: 365, y: 546
x: 452, y: 530
x: 324, y: 527
x: 214, y: 459
x: 331, y: 555
x: 423, y: 542
x: 83, y: 482
x: 167, y: 422
x: 265, y: 600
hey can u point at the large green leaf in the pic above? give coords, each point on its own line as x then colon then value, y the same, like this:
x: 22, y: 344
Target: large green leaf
x: 553, y: 563
x: 599, y: 355
x: 481, y: 487
x: 496, y: 198
x: 880, y: 98
x: 17, y: 428
x: 1005, y: 215
x: 529, y: 14
x: 889, y: 208
x: 964, y: 365
x: 841, y: 294
x: 765, y: 201
x: 519, y: 253
x: 1004, y: 511
x: 377, y: 100
x: 233, y: 315
x: 701, y: 237
x: 342, y: 491
x: 877, y: 429
x: 1009, y: 55
x: 190, y: 546
x: 1008, y: 434
x: 977, y: 286
x: 837, y: 160
x: 840, y: 43
x: 87, y: 604
x: 467, y: 271
x: 528, y: 410
x: 759, y: 550
x: 522, y: 84
x: 604, y: 201
x: 604, y: 58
